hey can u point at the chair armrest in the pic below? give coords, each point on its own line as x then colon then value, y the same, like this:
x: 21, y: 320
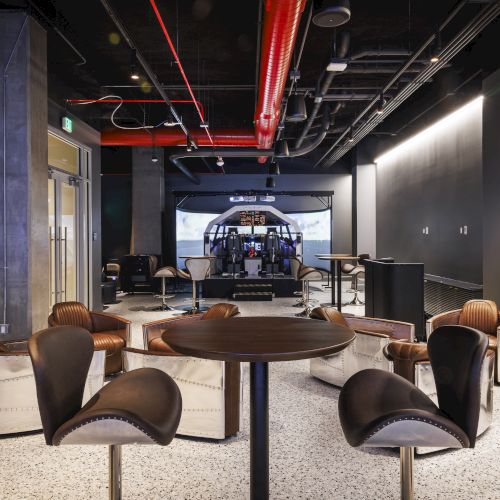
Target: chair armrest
x: 405, y: 355
x: 397, y: 330
x: 445, y: 318
x: 373, y: 334
x: 104, y: 322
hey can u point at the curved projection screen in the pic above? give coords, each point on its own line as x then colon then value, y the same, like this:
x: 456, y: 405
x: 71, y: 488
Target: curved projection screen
x: 315, y: 227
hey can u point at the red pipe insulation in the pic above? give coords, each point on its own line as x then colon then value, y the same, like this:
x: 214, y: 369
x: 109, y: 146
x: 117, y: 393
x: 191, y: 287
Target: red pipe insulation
x: 175, y: 137
x: 281, y: 25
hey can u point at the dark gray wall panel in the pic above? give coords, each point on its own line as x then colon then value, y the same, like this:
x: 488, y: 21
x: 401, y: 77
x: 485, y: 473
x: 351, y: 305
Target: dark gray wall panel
x: 491, y: 183
x: 436, y: 182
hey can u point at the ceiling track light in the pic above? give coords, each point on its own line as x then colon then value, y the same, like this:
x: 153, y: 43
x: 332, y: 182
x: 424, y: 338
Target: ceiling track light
x: 438, y: 46
x: 220, y: 161
x: 350, y: 138
x: 274, y: 168
x: 270, y: 182
x: 381, y: 104
x: 154, y: 158
x: 134, y: 75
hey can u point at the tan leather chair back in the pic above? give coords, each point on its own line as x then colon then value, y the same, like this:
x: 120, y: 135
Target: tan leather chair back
x: 221, y: 311
x: 481, y: 315
x: 329, y: 314
x: 73, y: 314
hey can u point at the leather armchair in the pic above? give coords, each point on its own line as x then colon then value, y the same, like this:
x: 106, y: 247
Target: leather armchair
x: 372, y: 335
x: 411, y: 361
x: 210, y: 389
x: 18, y: 400
x: 109, y: 332
x: 482, y: 315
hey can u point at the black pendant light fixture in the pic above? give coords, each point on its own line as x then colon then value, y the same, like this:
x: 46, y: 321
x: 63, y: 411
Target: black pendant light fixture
x: 282, y: 148
x: 274, y: 168
x: 270, y: 182
x: 296, y: 109
x: 331, y: 13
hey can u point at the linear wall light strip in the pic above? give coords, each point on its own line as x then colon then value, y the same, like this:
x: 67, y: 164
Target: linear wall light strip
x: 459, y: 114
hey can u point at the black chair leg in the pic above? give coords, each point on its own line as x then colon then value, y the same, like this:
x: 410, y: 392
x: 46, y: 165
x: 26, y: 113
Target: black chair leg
x: 115, y: 472
x: 406, y: 454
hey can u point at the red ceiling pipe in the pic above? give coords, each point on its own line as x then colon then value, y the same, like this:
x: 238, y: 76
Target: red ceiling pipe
x: 174, y: 137
x: 281, y: 25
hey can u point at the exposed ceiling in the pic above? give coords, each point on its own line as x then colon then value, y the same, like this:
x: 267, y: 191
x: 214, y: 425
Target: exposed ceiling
x: 217, y: 43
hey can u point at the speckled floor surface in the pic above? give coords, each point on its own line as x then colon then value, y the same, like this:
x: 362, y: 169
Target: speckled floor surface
x: 309, y: 458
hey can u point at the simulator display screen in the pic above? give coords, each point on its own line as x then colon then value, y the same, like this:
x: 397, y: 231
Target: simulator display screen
x: 315, y: 227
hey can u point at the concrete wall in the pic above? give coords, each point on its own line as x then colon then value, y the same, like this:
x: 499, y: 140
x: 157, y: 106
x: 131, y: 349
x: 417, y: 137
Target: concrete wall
x: 25, y: 129
x: 147, y: 201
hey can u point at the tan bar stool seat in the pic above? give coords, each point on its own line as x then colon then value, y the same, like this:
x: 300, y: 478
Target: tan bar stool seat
x: 164, y: 273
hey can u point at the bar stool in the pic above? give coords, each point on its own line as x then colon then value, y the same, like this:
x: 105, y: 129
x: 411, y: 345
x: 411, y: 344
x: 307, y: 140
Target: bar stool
x: 139, y: 407
x: 295, y: 266
x: 307, y: 274
x: 355, y: 271
x: 164, y: 273
x: 198, y: 269
x: 381, y: 409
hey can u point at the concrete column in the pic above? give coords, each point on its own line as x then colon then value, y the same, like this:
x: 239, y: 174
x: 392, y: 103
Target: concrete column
x: 23, y: 119
x: 148, y: 194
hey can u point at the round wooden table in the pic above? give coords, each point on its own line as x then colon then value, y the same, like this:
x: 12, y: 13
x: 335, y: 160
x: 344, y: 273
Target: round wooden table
x: 258, y: 340
x: 338, y: 258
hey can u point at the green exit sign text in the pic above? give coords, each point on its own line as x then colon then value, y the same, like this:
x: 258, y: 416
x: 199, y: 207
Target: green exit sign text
x: 67, y: 124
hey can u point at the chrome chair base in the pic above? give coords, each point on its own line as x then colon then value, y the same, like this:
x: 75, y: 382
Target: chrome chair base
x: 115, y: 472
x: 406, y: 454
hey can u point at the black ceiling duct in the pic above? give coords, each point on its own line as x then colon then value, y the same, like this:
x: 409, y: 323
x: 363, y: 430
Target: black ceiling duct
x: 331, y: 13
x: 270, y: 182
x: 296, y: 109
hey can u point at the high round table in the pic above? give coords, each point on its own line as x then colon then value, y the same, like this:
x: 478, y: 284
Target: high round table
x: 338, y: 258
x: 258, y: 340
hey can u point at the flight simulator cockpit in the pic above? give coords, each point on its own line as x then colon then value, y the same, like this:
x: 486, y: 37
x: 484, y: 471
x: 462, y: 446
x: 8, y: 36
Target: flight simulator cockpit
x: 252, y: 240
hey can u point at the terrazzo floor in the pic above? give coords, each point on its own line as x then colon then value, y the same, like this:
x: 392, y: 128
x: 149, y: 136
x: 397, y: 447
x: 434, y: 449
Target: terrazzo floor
x: 309, y: 458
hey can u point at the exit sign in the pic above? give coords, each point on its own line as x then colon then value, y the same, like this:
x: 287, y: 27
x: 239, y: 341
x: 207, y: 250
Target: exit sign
x: 67, y: 124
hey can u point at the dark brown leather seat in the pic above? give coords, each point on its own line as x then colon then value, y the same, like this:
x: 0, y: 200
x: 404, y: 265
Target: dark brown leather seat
x: 142, y: 406
x: 382, y: 409
x: 109, y: 332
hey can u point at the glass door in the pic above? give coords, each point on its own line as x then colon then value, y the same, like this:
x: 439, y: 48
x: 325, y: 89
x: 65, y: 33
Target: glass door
x: 68, y: 198
x: 63, y: 234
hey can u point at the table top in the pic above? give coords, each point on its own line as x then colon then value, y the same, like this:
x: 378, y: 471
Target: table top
x: 259, y: 338
x: 197, y: 257
x: 336, y: 256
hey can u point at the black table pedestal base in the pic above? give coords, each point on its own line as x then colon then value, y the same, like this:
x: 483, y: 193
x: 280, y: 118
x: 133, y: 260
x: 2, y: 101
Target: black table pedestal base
x: 259, y: 431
